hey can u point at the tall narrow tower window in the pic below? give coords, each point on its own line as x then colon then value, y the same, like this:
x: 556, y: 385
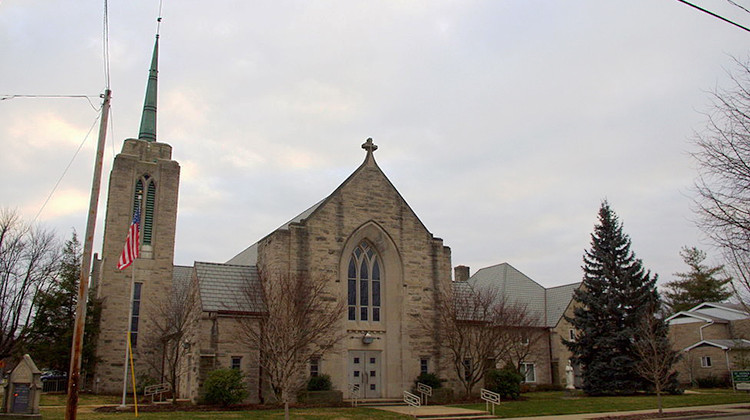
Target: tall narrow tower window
x: 148, y: 220
x: 363, y: 284
x: 145, y: 196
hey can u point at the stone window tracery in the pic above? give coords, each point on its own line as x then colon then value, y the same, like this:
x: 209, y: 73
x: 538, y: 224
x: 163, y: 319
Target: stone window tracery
x: 364, y: 284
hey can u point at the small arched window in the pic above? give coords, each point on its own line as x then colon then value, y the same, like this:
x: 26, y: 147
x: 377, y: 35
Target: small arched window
x: 145, y: 197
x: 363, y: 284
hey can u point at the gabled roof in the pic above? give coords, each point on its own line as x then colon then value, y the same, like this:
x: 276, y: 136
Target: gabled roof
x: 558, y: 300
x: 697, y: 315
x: 712, y: 312
x: 229, y: 288
x: 548, y: 304
x: 722, y: 344
x: 250, y: 255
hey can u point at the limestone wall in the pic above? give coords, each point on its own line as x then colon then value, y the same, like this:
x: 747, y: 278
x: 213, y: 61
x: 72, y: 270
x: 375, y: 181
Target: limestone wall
x: 153, y: 269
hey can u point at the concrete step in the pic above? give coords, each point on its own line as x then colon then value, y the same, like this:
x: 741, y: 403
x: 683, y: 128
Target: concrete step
x: 378, y: 402
x: 472, y: 417
x: 457, y: 417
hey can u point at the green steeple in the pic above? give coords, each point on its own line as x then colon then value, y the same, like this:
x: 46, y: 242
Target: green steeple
x: 148, y: 118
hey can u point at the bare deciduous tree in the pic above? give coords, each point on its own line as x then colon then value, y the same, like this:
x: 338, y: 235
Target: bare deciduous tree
x: 479, y: 326
x: 723, y: 158
x: 656, y: 356
x: 164, y: 346
x: 29, y: 257
x: 302, y: 320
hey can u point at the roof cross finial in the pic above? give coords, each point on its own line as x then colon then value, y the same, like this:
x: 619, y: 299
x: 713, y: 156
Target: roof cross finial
x: 369, y: 146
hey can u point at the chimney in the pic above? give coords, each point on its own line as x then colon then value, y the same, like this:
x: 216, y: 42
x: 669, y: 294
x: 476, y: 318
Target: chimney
x: 461, y: 273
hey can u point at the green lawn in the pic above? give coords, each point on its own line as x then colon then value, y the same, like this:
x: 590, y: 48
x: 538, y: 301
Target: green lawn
x: 312, y: 413
x: 555, y: 403
x: 534, y: 404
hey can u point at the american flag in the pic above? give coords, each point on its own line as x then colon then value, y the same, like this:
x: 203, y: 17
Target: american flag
x: 130, y: 250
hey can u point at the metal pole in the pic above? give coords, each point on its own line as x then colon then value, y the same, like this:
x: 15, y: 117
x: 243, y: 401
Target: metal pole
x: 127, y: 337
x: 71, y: 407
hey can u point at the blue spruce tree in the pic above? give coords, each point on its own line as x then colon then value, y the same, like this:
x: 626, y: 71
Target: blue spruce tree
x: 609, y: 306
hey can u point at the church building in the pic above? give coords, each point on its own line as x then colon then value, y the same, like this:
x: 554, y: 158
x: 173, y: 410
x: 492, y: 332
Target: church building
x: 370, y: 245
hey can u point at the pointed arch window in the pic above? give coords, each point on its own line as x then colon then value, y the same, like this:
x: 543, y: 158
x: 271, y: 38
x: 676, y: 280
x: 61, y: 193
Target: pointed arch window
x: 145, y: 196
x: 363, y: 284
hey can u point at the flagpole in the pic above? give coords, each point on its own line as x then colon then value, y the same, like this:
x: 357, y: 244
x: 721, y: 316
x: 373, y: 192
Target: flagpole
x: 127, y: 337
x: 128, y: 324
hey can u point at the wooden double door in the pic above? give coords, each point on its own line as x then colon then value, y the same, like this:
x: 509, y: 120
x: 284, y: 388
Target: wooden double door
x: 365, y: 369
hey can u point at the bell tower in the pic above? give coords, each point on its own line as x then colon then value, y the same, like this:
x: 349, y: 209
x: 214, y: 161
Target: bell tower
x: 143, y: 176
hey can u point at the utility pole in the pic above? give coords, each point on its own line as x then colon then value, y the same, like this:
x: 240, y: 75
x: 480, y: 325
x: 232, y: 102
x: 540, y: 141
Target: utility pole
x: 71, y: 408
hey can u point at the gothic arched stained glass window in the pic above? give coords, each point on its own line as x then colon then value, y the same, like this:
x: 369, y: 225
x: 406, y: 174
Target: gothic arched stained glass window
x: 363, y: 284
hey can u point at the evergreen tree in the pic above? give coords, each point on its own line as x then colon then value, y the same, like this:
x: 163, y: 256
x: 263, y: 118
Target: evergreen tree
x: 52, y: 330
x: 701, y: 284
x: 610, y: 305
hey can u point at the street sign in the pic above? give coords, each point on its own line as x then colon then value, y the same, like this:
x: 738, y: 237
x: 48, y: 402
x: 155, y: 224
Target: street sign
x: 741, y: 376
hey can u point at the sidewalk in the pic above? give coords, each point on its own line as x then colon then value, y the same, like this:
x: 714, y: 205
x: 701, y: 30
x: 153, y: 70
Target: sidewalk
x: 723, y: 410
x: 708, y: 411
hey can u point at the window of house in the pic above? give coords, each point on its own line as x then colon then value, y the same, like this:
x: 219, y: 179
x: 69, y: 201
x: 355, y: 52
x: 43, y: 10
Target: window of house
x: 467, y: 369
x: 706, y: 361
x: 314, y: 367
x: 136, y: 314
x: 572, y: 335
x: 424, y: 365
x: 528, y: 371
x: 236, y: 362
x: 363, y: 284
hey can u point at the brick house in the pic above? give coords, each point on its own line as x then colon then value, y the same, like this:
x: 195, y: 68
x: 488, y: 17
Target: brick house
x: 713, y: 339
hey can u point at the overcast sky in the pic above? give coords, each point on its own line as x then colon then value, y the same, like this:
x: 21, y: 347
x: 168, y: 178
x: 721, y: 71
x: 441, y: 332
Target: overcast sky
x: 503, y: 123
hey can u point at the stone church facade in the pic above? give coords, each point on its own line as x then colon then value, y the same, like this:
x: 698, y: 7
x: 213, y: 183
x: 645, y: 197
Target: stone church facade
x: 364, y: 238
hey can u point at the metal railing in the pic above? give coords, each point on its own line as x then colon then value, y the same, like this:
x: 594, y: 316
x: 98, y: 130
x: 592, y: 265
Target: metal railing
x: 354, y: 392
x: 158, y: 389
x: 411, y: 399
x: 425, y: 390
x: 490, y: 397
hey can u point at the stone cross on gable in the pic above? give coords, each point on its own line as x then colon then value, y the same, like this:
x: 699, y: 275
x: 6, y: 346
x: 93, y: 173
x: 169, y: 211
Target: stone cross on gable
x: 369, y: 146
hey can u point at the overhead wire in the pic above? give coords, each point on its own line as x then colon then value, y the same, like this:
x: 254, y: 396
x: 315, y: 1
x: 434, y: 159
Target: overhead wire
x: 714, y: 14
x: 65, y: 171
x: 87, y: 97
x: 105, y: 45
x: 738, y: 5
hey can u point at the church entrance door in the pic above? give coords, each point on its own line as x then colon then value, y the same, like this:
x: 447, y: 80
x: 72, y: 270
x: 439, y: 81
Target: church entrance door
x: 364, y: 369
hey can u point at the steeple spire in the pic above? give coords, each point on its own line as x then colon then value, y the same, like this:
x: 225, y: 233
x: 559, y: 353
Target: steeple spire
x: 148, y: 118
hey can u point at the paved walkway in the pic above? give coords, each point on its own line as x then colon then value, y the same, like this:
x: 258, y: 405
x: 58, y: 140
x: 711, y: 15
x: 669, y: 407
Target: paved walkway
x: 428, y: 410
x: 740, y: 409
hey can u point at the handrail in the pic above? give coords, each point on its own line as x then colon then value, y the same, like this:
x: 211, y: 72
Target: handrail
x: 157, y: 389
x: 411, y: 399
x: 354, y: 392
x: 490, y: 397
x: 425, y: 390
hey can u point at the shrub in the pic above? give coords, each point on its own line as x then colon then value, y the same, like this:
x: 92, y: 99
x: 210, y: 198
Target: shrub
x: 548, y: 387
x: 225, y: 387
x: 506, y: 382
x: 429, y: 379
x: 712, y: 381
x: 319, y: 383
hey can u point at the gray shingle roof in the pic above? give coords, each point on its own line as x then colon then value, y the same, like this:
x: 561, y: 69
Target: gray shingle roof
x: 229, y: 288
x: 181, y: 275
x: 548, y: 304
x: 558, y: 299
